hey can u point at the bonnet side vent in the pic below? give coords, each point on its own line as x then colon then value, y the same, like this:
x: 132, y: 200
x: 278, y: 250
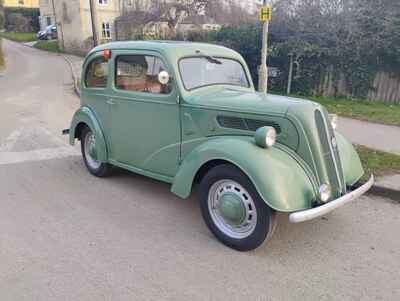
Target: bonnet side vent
x: 238, y: 123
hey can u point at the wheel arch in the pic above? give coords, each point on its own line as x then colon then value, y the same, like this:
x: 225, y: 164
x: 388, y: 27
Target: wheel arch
x: 79, y: 128
x: 86, y: 117
x: 278, y: 178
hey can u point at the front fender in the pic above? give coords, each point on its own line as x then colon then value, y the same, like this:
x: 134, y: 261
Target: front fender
x: 278, y: 178
x: 86, y: 116
x: 351, y: 163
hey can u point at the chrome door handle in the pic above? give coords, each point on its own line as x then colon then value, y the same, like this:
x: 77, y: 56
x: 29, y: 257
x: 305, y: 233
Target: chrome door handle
x: 111, y: 102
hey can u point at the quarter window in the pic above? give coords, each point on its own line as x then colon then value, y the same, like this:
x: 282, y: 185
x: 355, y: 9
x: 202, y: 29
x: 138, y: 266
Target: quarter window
x: 103, y: 2
x: 106, y: 32
x: 140, y: 73
x: 97, y: 73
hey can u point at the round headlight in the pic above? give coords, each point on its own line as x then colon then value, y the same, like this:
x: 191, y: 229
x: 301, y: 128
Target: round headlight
x: 265, y: 136
x: 334, y: 121
x: 325, y: 192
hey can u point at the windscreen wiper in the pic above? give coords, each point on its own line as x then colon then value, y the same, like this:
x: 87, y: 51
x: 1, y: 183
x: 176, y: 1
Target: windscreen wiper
x: 209, y: 58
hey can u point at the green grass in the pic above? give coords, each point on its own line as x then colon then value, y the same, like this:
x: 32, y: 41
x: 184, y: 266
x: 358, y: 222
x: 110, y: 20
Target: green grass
x: 2, y: 62
x: 51, y: 46
x: 377, y: 162
x: 19, y: 36
x: 362, y: 110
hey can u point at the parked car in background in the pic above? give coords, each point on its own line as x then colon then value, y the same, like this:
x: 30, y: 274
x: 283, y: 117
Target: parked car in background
x: 49, y: 33
x: 188, y: 114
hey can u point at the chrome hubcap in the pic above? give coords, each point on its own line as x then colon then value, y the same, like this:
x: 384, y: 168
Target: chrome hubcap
x: 90, y: 151
x: 232, y: 209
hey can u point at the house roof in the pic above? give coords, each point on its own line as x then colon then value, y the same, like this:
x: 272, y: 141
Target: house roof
x: 198, y: 20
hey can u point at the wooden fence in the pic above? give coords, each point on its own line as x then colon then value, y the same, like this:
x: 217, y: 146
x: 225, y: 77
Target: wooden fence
x: 386, y: 88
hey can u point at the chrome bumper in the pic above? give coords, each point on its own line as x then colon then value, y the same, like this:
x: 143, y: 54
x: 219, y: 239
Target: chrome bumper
x: 305, y: 215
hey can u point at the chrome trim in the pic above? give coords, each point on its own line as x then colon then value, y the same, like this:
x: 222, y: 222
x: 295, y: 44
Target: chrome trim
x: 305, y: 215
x: 333, y: 153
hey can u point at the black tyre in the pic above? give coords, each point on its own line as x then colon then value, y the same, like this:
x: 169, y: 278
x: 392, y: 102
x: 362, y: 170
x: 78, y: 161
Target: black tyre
x: 233, y: 210
x: 89, y: 154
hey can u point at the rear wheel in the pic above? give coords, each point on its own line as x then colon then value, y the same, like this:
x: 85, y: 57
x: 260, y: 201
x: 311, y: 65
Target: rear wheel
x: 233, y: 210
x: 89, y: 154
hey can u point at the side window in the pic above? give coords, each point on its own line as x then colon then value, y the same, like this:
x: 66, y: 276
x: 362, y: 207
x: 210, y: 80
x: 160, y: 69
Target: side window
x: 97, y: 73
x: 139, y: 73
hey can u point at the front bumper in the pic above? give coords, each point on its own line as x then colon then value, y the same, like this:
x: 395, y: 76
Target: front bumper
x: 305, y: 215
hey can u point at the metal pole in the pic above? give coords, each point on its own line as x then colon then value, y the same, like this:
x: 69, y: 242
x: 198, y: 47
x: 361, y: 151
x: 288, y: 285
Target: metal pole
x: 59, y: 26
x: 289, y: 85
x: 92, y: 18
x: 263, y: 72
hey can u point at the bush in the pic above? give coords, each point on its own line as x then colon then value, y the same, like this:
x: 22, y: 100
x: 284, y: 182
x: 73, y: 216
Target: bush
x: 245, y: 39
x: 21, y: 19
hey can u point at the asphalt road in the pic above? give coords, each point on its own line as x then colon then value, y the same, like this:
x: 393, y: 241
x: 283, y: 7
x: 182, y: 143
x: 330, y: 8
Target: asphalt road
x: 65, y: 235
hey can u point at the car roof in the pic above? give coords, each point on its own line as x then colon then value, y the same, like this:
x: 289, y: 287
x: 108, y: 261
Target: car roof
x: 173, y: 49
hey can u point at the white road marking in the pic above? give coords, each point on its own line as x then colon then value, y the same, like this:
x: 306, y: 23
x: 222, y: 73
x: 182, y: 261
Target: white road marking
x: 37, y: 155
x: 9, y: 143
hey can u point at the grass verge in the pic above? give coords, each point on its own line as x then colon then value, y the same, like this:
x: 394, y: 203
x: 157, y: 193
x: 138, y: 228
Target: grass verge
x: 377, y: 162
x: 2, y: 61
x: 362, y: 110
x: 19, y: 36
x: 51, y: 46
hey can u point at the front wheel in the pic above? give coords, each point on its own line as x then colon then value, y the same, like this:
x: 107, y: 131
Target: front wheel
x: 89, y: 154
x: 233, y: 210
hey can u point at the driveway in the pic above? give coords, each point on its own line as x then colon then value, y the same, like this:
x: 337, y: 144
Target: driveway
x: 66, y: 235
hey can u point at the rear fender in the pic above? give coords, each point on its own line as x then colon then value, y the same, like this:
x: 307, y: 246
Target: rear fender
x: 85, y: 116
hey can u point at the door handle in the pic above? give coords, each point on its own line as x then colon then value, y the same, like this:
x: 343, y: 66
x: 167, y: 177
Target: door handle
x: 111, y: 102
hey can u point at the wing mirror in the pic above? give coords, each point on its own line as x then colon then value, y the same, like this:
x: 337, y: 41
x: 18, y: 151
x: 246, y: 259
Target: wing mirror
x: 163, y: 77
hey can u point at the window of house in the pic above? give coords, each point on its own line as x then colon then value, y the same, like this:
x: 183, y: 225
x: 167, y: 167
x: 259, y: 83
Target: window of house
x: 106, y: 32
x: 48, y: 21
x: 21, y: 2
x: 97, y: 73
x: 140, y: 73
x: 103, y: 2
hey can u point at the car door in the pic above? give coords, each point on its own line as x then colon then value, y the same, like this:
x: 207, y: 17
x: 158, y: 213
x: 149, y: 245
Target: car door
x: 94, y: 92
x: 145, y: 124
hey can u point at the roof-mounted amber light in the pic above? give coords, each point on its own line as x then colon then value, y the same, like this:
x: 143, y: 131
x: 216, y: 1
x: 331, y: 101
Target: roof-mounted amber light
x: 107, y: 54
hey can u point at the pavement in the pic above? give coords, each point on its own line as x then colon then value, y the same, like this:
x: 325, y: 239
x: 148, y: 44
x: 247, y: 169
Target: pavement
x: 30, y: 44
x: 66, y: 235
x: 374, y: 135
x: 75, y: 63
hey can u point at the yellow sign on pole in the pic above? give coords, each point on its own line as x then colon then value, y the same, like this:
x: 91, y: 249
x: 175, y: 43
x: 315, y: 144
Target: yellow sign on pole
x: 266, y: 13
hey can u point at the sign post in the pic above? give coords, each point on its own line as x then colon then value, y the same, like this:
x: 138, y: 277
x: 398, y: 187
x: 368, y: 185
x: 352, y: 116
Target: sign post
x: 265, y: 17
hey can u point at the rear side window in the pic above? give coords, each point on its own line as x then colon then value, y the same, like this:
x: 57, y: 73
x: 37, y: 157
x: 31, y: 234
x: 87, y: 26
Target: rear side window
x: 139, y: 73
x: 97, y: 73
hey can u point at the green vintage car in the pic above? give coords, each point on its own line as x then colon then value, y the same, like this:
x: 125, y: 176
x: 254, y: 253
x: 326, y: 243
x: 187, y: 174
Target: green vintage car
x: 188, y: 114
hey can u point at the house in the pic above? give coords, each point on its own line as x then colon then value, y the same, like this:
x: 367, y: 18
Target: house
x: 81, y: 22
x: 21, y: 3
x: 47, y: 16
x: 21, y: 15
x: 198, y: 23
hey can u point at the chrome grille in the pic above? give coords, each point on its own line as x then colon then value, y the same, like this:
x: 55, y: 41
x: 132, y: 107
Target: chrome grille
x: 330, y: 151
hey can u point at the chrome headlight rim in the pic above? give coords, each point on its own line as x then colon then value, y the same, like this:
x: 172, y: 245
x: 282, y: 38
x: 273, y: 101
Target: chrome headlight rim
x: 325, y: 193
x: 334, y: 120
x: 265, y: 136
